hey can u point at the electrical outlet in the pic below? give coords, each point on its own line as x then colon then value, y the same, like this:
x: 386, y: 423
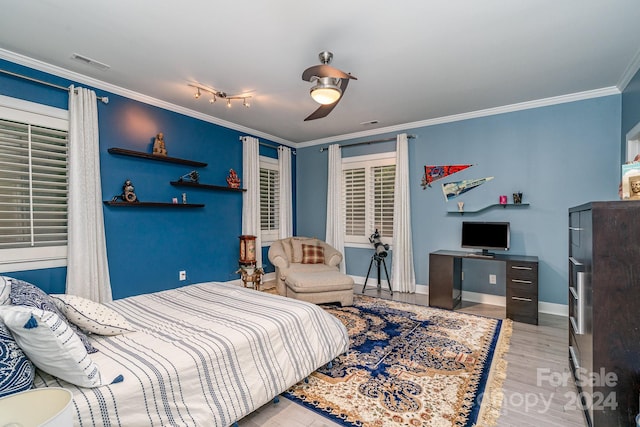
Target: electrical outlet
x: 183, y: 275
x: 492, y: 279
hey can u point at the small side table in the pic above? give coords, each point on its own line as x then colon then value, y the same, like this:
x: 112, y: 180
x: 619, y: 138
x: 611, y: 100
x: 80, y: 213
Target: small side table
x: 251, y: 275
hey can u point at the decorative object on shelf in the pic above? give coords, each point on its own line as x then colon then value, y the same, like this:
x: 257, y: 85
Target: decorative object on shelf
x: 159, y: 148
x: 460, y: 206
x: 215, y: 94
x: 247, y: 250
x: 192, y: 176
x: 184, y: 198
x: 631, y: 181
x: 434, y: 173
x: 174, y: 200
x: 503, y: 200
x: 454, y: 189
x: 517, y: 198
x: 251, y: 274
x: 128, y: 195
x: 232, y: 180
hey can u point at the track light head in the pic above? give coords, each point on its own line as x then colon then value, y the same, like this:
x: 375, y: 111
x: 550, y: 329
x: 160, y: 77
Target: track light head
x: 197, y: 94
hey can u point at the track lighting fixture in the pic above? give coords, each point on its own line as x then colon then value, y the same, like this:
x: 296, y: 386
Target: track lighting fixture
x: 215, y: 94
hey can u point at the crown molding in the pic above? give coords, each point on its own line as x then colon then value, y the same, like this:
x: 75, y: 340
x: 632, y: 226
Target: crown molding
x: 405, y: 127
x: 630, y: 72
x: 117, y: 90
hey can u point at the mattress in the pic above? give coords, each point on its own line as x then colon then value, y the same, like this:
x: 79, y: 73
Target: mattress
x: 203, y: 355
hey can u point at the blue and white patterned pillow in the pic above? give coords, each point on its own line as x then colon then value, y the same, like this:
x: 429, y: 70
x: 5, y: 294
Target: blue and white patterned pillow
x: 26, y: 294
x: 16, y: 370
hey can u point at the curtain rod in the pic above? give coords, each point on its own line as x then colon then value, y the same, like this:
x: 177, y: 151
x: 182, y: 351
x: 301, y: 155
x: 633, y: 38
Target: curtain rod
x: 368, y: 142
x: 266, y: 144
x: 104, y: 99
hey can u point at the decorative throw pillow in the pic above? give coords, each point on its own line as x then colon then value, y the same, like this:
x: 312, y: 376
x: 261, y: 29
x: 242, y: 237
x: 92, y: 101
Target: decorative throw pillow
x: 26, y: 294
x: 5, y: 290
x: 52, y: 346
x: 312, y: 254
x: 91, y: 316
x: 16, y: 370
x: 296, y: 246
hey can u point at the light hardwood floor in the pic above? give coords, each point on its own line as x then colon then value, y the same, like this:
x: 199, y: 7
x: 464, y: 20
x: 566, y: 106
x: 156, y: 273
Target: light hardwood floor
x: 538, y: 390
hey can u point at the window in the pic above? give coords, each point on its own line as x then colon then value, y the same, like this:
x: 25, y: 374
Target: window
x: 269, y: 199
x: 33, y: 185
x: 368, y: 186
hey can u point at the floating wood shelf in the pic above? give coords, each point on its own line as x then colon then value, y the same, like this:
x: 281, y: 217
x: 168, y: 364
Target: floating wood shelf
x: 207, y: 186
x: 153, y: 204
x: 131, y: 153
x: 508, y: 205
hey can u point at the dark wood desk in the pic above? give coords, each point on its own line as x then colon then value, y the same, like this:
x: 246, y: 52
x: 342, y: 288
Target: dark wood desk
x: 445, y: 282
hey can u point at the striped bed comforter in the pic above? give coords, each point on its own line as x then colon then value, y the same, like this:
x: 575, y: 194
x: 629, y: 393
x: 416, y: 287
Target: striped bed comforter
x: 203, y: 355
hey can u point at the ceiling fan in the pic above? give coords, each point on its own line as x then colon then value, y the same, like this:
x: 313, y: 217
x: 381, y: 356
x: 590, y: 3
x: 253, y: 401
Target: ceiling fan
x: 331, y: 84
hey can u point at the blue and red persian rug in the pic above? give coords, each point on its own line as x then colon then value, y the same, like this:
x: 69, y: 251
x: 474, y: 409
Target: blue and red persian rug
x: 411, y: 365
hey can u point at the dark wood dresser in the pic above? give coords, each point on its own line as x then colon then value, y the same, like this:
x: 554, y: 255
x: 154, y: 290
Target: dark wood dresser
x: 604, y: 320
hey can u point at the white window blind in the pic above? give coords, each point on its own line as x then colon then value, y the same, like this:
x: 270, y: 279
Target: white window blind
x: 33, y: 185
x: 269, y: 200
x: 368, y: 191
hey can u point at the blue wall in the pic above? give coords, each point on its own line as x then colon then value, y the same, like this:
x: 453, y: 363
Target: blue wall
x: 558, y: 156
x: 630, y: 110
x: 147, y: 247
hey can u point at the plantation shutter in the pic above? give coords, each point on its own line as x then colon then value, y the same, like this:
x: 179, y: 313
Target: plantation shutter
x: 269, y: 202
x: 383, y: 190
x: 33, y: 185
x: 355, y: 201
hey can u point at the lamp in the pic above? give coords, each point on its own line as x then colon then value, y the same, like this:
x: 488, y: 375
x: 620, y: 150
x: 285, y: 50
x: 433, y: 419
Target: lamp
x: 326, y: 91
x: 44, y: 407
x: 247, y: 251
x: 215, y: 94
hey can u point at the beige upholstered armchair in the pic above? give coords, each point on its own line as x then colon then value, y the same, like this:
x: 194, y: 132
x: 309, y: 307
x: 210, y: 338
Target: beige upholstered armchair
x: 307, y: 269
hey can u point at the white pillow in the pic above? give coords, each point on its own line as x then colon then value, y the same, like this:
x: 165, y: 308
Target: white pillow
x: 91, y: 316
x: 53, y: 346
x: 5, y: 290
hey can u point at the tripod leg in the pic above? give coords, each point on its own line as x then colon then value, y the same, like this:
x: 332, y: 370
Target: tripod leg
x: 387, y: 274
x: 367, y: 278
x: 379, y: 275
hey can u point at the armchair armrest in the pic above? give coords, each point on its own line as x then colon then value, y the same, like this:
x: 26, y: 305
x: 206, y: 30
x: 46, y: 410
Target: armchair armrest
x: 277, y: 256
x: 332, y: 256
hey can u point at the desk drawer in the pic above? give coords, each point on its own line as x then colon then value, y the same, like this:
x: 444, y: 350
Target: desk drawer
x: 522, y: 309
x: 525, y: 290
x: 522, y: 271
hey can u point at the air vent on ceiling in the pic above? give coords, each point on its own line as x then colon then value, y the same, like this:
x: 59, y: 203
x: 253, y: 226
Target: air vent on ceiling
x: 370, y: 122
x: 92, y: 62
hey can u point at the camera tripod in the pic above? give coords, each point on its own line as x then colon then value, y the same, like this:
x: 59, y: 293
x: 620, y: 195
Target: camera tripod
x: 378, y: 260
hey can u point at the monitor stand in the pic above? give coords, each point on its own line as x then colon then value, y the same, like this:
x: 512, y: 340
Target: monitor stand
x: 484, y: 254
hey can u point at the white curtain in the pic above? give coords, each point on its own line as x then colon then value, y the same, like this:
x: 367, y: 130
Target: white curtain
x: 87, y: 266
x: 251, y: 197
x: 403, y: 278
x: 286, y: 206
x: 335, y: 219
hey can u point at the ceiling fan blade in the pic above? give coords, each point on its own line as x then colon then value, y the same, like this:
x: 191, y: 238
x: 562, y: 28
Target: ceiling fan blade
x: 324, y: 110
x: 324, y: 70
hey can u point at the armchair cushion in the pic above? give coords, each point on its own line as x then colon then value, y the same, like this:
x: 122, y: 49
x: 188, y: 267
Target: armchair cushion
x: 312, y: 254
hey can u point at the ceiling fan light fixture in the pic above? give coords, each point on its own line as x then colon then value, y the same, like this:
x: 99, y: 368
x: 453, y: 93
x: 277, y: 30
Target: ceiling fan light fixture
x: 326, y: 91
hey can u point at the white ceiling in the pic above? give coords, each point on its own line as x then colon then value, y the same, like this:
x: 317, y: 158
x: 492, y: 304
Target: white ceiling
x: 415, y: 60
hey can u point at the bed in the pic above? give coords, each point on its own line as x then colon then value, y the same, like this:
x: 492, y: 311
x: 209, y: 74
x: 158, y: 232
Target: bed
x: 204, y: 354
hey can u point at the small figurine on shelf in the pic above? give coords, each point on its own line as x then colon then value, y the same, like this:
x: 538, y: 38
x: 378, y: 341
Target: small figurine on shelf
x: 128, y: 194
x: 193, y: 176
x: 232, y: 180
x: 159, y: 149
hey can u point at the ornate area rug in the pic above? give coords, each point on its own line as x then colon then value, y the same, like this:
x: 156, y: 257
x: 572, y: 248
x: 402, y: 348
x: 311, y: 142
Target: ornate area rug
x: 410, y: 365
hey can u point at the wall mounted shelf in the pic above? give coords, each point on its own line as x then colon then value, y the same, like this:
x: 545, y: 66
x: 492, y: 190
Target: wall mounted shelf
x: 205, y: 186
x: 167, y: 159
x: 508, y: 205
x: 153, y: 204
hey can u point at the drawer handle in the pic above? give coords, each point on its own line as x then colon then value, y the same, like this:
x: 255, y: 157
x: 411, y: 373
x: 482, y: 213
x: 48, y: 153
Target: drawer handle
x: 575, y: 261
x: 528, y: 282
x: 522, y: 299
x: 517, y: 267
x: 576, y: 228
